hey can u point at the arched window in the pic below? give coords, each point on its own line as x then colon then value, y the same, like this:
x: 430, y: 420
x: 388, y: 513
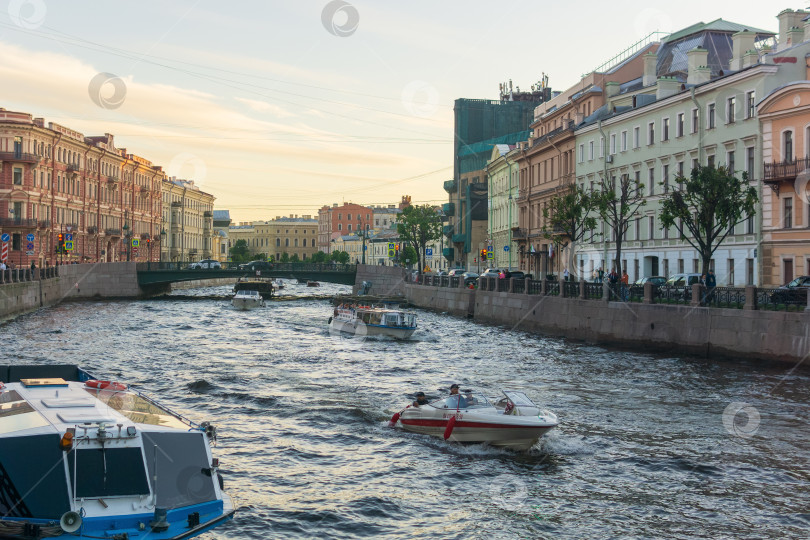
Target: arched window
x: 286, y: 242
x: 296, y: 242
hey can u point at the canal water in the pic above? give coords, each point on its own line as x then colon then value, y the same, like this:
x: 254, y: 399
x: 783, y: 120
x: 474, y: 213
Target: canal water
x: 649, y: 445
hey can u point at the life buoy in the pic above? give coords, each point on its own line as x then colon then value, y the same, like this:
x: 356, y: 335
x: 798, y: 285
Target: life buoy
x: 105, y: 385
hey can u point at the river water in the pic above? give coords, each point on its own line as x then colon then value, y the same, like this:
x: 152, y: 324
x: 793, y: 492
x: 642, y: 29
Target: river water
x: 649, y: 445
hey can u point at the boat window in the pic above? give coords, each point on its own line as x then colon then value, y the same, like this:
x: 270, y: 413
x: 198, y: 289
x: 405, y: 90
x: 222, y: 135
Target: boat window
x: 109, y: 472
x: 183, y: 468
x: 138, y: 409
x: 30, y: 484
x: 16, y: 414
x: 520, y: 399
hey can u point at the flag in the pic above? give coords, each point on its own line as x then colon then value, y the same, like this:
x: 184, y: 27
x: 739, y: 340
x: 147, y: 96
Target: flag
x: 531, y: 249
x: 551, y: 250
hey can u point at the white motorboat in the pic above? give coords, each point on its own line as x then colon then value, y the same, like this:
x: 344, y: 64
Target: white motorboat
x: 247, y: 299
x: 514, y: 422
x: 372, y: 321
x: 84, y: 458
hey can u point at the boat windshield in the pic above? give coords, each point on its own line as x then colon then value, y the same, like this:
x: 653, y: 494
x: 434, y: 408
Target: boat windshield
x: 468, y: 400
x: 519, y: 398
x: 138, y: 409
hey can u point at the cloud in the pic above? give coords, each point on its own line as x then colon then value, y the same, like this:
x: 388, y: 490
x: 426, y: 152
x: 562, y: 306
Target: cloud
x: 263, y: 106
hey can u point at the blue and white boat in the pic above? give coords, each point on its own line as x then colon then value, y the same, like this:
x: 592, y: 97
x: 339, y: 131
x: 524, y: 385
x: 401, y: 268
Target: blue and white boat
x: 369, y: 320
x: 84, y: 458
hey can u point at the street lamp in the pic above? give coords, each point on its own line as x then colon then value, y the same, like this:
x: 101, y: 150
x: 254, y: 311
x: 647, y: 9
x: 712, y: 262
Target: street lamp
x: 126, y: 237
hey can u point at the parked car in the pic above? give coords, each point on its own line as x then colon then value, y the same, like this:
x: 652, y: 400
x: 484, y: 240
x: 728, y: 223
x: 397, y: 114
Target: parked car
x: 518, y: 274
x: 256, y: 265
x: 470, y: 277
x: 456, y: 272
x: 491, y: 272
x: 205, y: 264
x: 655, y: 280
x: 794, y: 292
x: 441, y: 273
x: 683, y: 282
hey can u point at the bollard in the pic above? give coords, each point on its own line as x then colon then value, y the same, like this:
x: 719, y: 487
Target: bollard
x: 697, y: 290
x: 605, y: 291
x: 528, y: 284
x: 648, y: 293
x: 582, y: 289
x: 511, y: 285
x: 751, y: 298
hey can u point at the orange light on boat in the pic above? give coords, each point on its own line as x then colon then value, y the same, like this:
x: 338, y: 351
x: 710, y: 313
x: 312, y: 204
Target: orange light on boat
x: 67, y: 440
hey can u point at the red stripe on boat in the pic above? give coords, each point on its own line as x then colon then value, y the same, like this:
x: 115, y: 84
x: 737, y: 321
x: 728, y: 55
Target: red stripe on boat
x: 463, y: 424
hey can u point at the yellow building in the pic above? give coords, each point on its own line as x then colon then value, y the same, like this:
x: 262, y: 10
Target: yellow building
x: 188, y: 215
x: 292, y: 235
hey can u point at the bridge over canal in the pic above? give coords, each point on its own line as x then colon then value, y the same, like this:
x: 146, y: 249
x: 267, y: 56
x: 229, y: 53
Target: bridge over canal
x: 156, y: 277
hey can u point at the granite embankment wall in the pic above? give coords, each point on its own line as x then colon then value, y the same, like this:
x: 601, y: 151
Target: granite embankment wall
x: 74, y: 281
x: 704, y: 331
x: 385, y: 280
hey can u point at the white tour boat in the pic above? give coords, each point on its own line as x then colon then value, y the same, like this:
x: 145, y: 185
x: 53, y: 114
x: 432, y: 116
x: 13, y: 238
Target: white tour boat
x: 514, y: 422
x: 372, y: 321
x: 83, y: 458
x: 247, y: 299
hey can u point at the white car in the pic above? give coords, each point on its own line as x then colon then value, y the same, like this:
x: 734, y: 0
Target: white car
x: 205, y: 264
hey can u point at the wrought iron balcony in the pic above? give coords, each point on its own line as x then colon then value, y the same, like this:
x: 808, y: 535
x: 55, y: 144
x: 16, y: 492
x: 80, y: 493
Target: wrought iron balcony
x: 145, y: 236
x: 176, y: 204
x: 19, y: 157
x: 112, y: 232
x: 112, y: 179
x: 72, y: 168
x: 18, y: 223
x: 518, y: 233
x: 786, y: 170
x: 43, y: 224
x: 208, y: 213
x: 92, y: 229
x: 451, y: 186
x: 449, y: 209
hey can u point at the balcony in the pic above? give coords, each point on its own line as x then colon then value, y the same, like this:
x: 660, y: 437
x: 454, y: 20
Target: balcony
x: 459, y: 238
x: 448, y: 230
x: 174, y: 252
x: 19, y: 157
x: 208, y: 213
x: 177, y: 204
x: 92, y: 229
x: 73, y: 168
x: 449, y: 209
x: 112, y: 232
x: 43, y: 224
x: 786, y: 171
x: 71, y: 227
x: 451, y: 186
x: 113, y: 180
x: 192, y: 251
x: 146, y: 236
x: 448, y: 252
x: 18, y: 223
x: 518, y: 233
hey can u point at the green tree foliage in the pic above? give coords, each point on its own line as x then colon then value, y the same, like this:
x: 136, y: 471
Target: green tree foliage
x: 319, y: 257
x: 417, y: 227
x: 617, y: 202
x: 295, y: 258
x: 567, y: 219
x: 239, y: 252
x: 341, y: 257
x: 408, y: 255
x: 285, y: 257
x: 707, y: 206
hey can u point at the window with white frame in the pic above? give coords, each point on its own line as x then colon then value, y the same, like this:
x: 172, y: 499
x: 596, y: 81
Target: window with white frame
x: 651, y: 133
x: 590, y: 150
x: 787, y: 212
x: 652, y: 227
x: 665, y: 177
x: 665, y: 129
x: 624, y: 141
x: 730, y: 162
x: 750, y: 104
x: 787, y: 146
x: 695, y: 120
x: 679, y: 125
x: 731, y: 109
x: 651, y: 180
x: 581, y: 153
x: 710, y: 115
x: 749, y: 162
x: 636, y: 137
x: 601, y: 147
x: 613, y: 143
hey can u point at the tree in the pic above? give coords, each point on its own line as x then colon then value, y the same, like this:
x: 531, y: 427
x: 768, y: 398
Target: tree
x: 240, y: 252
x: 285, y: 257
x: 408, y: 255
x: 295, y: 258
x: 417, y: 227
x: 568, y: 216
x: 706, y: 207
x: 616, y: 203
x: 319, y: 257
x: 341, y: 257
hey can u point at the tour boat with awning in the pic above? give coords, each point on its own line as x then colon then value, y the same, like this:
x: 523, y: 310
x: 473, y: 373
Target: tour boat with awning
x: 87, y: 458
x: 370, y: 320
x: 515, y: 421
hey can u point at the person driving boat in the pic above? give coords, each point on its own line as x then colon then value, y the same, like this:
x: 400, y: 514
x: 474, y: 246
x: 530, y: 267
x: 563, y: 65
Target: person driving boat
x: 456, y: 400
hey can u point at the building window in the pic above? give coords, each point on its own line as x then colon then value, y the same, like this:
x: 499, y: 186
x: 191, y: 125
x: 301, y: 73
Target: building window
x: 613, y: 144
x: 590, y: 150
x: 636, y: 137
x: 340, y: 226
x: 278, y: 242
x: 652, y: 227
x: 730, y: 263
x: 787, y: 146
x: 710, y: 161
x: 624, y: 141
x: 749, y: 159
x: 651, y: 133
x: 601, y: 147
x: 665, y: 179
x: 286, y: 242
x: 750, y: 104
x: 749, y: 225
x: 787, y: 213
x: 350, y: 227
x: 18, y: 174
x: 665, y: 129
x: 731, y: 109
x: 679, y: 126
x: 581, y: 159
x: 730, y: 162
x: 695, y: 120
x: 680, y: 266
x: 711, y: 116
x: 637, y: 230
x: 651, y: 180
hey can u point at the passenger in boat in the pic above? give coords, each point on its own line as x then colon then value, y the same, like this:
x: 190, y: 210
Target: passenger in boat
x: 456, y: 400
x: 420, y: 399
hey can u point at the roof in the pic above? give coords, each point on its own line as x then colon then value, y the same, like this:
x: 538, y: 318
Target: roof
x: 717, y: 25
x: 294, y: 220
x: 222, y: 214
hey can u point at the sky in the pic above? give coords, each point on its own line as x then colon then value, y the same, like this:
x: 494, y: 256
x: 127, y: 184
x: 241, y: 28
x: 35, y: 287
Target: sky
x: 278, y: 108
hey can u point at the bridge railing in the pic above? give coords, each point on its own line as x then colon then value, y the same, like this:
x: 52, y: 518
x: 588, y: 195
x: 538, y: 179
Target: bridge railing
x: 275, y: 268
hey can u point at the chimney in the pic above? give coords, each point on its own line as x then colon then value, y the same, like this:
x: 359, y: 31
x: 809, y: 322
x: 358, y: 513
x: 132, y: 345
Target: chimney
x: 650, y: 65
x: 750, y: 58
x: 807, y: 30
x: 795, y: 35
x: 698, y: 72
x: 788, y: 20
x: 39, y: 122
x: 741, y: 43
x: 612, y: 89
x: 667, y: 86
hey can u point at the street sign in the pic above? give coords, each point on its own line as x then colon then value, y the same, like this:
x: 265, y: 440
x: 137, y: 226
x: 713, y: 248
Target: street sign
x: 5, y: 237
x: 69, y: 228
x: 30, y: 237
x: 489, y: 248
x: 392, y: 253
x: 29, y: 252
x: 506, y: 248
x: 490, y: 255
x: 391, y: 246
x: 135, y: 242
x: 68, y: 238
x: 29, y: 246
x: 69, y: 245
x: 428, y: 252
x: 135, y: 249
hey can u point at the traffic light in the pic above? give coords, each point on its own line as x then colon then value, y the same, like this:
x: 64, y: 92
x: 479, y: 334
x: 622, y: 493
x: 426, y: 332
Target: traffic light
x: 483, y: 254
x: 60, y: 243
x: 396, y: 254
